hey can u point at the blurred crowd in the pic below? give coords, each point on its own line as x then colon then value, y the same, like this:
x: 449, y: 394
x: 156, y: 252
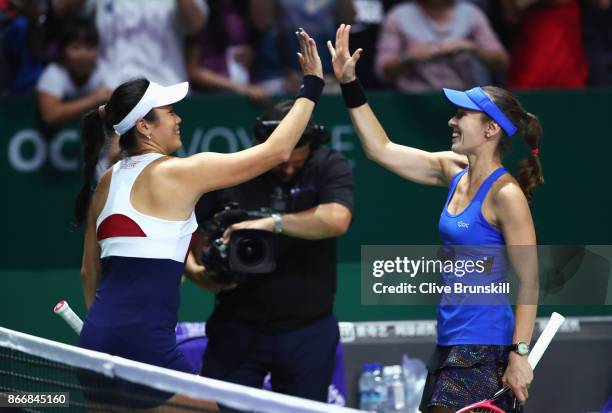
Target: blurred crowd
x: 70, y: 54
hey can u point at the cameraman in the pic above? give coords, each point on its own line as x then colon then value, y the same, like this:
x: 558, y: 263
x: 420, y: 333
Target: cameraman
x: 282, y: 322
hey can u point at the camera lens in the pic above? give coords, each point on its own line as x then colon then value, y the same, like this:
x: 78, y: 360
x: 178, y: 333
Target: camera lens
x: 250, y: 251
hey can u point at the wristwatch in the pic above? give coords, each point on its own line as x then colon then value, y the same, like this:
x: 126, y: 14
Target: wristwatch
x: 520, y: 348
x: 278, y: 223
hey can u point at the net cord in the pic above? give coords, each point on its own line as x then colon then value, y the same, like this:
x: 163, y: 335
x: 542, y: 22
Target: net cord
x: 229, y: 394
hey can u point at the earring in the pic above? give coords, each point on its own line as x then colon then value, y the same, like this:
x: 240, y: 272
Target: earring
x: 149, y: 136
x: 486, y: 135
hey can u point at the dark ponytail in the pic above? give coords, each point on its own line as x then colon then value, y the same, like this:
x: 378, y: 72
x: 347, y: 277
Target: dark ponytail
x: 529, y: 172
x: 97, y: 126
x: 93, y: 137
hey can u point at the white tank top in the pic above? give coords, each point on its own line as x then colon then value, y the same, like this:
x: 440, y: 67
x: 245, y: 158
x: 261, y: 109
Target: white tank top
x: 125, y: 232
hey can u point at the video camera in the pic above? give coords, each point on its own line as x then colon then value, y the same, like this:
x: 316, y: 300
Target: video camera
x: 249, y: 251
x: 314, y: 134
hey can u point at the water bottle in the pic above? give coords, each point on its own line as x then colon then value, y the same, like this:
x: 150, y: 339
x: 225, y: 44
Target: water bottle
x: 396, y: 392
x: 380, y: 389
x: 415, y: 374
x: 371, y: 387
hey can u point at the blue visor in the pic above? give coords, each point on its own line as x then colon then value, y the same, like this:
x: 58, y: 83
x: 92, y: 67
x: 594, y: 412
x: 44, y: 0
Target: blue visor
x: 476, y: 99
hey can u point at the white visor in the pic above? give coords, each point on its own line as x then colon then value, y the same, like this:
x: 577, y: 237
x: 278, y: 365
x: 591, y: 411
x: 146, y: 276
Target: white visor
x: 155, y: 97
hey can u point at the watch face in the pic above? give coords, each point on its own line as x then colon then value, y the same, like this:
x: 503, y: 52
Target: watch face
x: 523, y: 348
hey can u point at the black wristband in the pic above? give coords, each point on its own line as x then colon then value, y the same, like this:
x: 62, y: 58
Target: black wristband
x: 312, y: 87
x: 353, y: 94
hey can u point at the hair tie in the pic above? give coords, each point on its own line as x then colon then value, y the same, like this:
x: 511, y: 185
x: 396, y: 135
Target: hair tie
x: 535, y: 151
x: 102, y: 110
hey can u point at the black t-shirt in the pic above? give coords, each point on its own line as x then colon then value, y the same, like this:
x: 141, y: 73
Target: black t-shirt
x: 303, y: 286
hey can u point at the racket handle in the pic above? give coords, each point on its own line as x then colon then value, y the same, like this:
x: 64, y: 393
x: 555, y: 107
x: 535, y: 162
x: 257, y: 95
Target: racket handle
x: 547, y: 335
x: 63, y: 310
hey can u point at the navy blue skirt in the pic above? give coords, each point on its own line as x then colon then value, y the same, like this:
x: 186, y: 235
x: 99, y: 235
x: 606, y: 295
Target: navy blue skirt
x: 147, y: 344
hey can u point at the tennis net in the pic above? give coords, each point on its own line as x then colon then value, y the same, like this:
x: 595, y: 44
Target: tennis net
x: 38, y: 375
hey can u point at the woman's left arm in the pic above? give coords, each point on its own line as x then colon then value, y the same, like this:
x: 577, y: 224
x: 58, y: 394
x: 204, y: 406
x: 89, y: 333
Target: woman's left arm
x: 514, y: 217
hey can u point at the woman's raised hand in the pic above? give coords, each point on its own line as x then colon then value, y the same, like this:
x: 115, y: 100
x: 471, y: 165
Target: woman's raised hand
x: 308, y: 55
x: 342, y: 61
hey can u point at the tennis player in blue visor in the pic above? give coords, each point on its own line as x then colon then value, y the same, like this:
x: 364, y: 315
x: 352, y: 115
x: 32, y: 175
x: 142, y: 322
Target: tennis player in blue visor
x: 479, y: 347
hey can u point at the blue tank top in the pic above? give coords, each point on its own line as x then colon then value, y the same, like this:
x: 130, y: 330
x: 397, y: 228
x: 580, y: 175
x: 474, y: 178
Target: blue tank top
x: 464, y: 318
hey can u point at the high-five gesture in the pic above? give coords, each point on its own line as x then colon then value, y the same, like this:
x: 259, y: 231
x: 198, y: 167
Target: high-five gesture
x: 342, y: 61
x: 308, y: 55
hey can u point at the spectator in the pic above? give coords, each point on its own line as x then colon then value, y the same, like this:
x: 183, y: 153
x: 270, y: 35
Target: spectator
x: 430, y: 44
x: 369, y: 17
x: 276, y: 66
x: 23, y: 44
x: 145, y: 39
x: 547, y: 50
x: 597, y: 37
x: 495, y: 12
x: 220, y: 55
x: 27, y: 37
x: 74, y: 84
x: 7, y: 14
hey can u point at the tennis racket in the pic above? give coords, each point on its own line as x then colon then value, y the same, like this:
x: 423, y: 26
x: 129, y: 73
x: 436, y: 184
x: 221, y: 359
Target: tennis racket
x: 487, y: 406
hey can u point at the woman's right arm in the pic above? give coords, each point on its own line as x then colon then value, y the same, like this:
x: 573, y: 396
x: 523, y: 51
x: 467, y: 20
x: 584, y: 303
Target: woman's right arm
x: 208, y: 171
x: 429, y: 168
x: 90, y: 267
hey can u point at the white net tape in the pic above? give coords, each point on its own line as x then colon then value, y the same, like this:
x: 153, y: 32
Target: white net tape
x: 229, y: 394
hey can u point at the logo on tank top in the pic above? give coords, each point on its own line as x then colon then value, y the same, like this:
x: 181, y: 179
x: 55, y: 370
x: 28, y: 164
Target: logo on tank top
x: 462, y: 224
x: 128, y: 164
